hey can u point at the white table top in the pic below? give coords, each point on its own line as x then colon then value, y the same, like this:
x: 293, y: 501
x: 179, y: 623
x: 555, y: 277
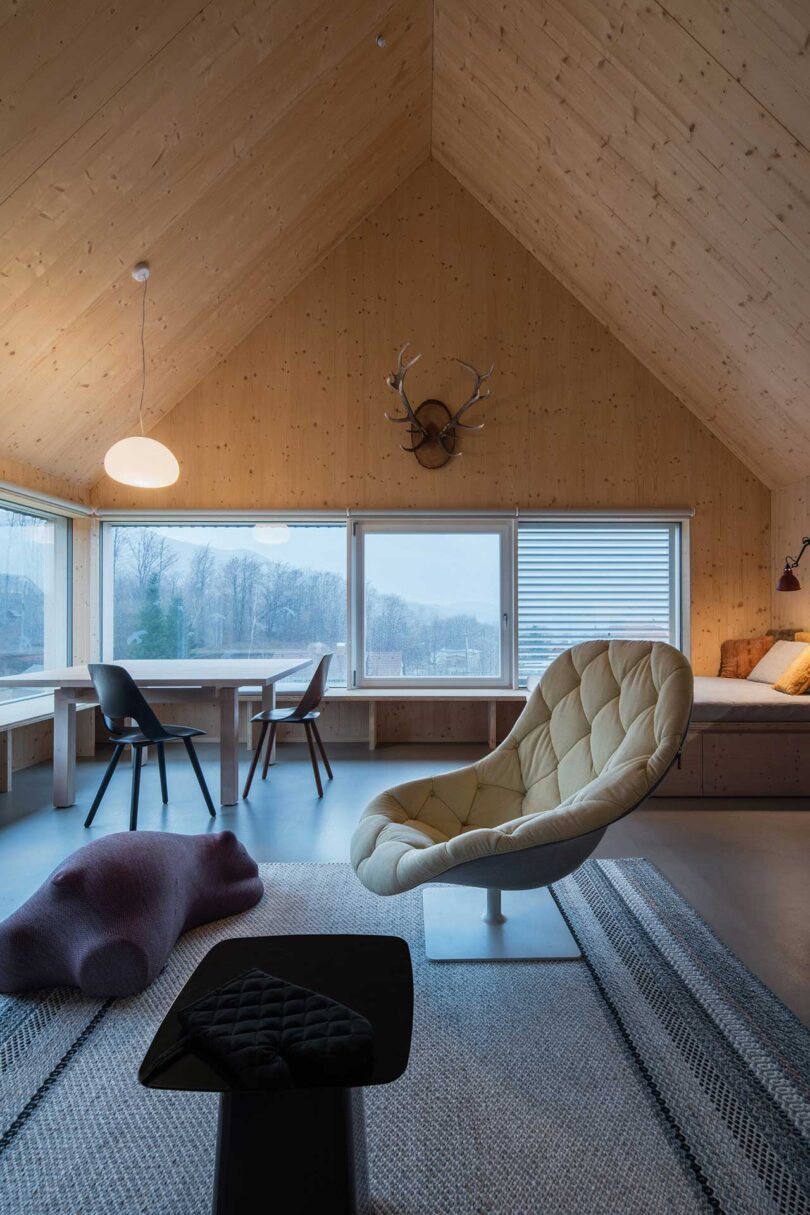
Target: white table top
x: 172, y: 673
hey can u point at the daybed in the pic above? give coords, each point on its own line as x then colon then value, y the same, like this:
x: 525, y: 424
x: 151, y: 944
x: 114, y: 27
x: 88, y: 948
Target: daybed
x: 745, y: 740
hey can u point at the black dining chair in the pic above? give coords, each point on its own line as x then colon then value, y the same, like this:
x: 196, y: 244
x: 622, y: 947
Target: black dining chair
x: 119, y: 698
x: 304, y: 714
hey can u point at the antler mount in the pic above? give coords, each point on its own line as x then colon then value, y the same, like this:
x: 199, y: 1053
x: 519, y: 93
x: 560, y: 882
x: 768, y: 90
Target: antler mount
x: 432, y: 427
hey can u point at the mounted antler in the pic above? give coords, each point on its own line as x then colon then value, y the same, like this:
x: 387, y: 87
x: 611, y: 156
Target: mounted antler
x: 475, y: 396
x: 432, y: 419
x: 396, y: 380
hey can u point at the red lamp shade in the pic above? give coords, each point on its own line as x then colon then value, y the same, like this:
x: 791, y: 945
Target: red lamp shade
x: 788, y: 581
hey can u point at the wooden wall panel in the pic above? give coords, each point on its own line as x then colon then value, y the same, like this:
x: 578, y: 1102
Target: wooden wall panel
x: 295, y: 416
x: 654, y: 157
x: 231, y: 144
x: 790, y: 521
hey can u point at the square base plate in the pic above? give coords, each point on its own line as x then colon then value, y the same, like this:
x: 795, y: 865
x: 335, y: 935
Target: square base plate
x: 533, y: 930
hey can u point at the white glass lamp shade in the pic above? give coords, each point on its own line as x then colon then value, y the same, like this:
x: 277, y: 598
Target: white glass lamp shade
x: 142, y: 462
x: 272, y: 533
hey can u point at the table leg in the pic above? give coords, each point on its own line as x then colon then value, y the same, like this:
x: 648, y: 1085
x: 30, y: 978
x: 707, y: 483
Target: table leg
x: 228, y: 746
x: 304, y: 1149
x: 269, y: 703
x: 64, y: 749
x: 492, y: 724
x: 6, y: 755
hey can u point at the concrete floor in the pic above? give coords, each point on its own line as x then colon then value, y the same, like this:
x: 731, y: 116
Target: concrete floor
x: 743, y: 864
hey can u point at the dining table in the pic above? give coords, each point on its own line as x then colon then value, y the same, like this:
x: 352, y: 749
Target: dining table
x: 167, y: 681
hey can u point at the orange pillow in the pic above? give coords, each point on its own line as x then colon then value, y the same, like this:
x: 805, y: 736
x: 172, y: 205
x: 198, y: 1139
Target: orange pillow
x: 796, y: 679
x: 801, y: 637
x: 738, y: 658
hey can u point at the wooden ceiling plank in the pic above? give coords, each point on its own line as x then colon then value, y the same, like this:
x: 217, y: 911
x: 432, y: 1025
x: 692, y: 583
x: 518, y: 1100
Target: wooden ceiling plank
x: 739, y: 362
x: 674, y: 367
x: 163, y: 104
x: 217, y: 213
x: 763, y: 46
x: 61, y: 62
x: 590, y: 163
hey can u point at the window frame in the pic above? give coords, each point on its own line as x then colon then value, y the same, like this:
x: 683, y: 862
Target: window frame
x: 63, y: 560
x: 109, y: 520
x: 679, y: 589
x: 410, y: 523
x: 506, y: 522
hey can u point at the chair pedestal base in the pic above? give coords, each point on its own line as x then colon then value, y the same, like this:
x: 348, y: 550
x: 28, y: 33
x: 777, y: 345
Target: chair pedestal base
x: 532, y: 929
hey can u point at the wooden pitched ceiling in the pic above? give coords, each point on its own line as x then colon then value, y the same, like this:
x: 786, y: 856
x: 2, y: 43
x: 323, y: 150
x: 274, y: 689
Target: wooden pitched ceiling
x: 655, y: 156
x: 231, y: 143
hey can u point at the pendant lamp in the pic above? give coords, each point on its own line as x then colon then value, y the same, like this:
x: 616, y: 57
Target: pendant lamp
x: 138, y: 460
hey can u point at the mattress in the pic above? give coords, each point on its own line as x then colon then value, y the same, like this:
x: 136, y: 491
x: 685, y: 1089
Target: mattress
x: 745, y: 700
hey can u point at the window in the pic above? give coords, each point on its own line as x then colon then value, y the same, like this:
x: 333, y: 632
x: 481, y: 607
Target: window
x: 445, y: 600
x: 242, y: 590
x: 432, y: 602
x: 34, y: 584
x: 584, y: 580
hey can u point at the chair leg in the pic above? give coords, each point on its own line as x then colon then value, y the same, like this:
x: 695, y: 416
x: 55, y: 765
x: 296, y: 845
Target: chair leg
x: 314, y: 759
x: 257, y: 750
x: 118, y: 751
x: 164, y: 787
x: 136, y: 789
x: 198, y: 772
x: 322, y: 750
x: 269, y: 751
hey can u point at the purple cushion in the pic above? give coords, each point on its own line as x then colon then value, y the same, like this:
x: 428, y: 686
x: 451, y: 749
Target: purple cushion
x: 106, y: 920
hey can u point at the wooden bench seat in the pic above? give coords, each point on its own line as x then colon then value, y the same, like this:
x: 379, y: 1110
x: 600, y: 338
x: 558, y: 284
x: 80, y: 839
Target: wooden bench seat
x: 15, y: 714
x: 492, y: 697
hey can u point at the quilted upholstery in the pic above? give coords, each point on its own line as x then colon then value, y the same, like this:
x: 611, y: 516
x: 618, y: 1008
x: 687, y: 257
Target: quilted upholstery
x: 598, y: 732
x: 270, y: 1034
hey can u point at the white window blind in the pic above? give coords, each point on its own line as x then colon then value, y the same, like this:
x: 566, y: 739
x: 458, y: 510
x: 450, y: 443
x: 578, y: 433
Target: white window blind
x: 584, y: 581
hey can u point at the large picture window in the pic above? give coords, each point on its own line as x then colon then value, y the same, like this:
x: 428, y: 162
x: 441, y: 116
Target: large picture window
x: 400, y: 599
x: 207, y: 590
x: 432, y: 602
x: 581, y: 581
x: 34, y: 595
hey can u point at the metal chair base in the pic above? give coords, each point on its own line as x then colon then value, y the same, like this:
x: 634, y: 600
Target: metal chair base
x: 469, y: 924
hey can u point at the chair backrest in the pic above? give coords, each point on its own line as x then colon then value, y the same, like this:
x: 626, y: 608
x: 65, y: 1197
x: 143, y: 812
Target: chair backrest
x: 602, y: 707
x: 317, y: 686
x: 120, y: 697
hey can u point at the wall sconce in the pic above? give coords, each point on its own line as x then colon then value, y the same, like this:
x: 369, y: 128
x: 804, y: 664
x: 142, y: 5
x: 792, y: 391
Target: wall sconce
x: 788, y: 580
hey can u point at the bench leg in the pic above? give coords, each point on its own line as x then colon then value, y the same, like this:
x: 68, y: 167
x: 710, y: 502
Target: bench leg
x: 64, y: 749
x: 5, y: 762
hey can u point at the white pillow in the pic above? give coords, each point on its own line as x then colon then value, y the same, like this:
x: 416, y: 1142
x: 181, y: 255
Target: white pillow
x: 776, y: 661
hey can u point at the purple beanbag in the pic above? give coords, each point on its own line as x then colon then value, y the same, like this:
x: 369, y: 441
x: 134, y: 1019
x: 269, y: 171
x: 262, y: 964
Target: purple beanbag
x: 106, y: 920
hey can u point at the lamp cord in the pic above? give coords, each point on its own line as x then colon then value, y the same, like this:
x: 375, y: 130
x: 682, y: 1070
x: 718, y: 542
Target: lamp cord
x: 143, y: 354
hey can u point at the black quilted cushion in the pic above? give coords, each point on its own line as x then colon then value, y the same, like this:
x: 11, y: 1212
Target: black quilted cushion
x: 265, y: 1033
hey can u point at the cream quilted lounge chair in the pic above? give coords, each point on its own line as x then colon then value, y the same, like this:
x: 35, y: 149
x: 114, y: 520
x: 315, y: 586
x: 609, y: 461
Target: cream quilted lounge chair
x: 597, y: 735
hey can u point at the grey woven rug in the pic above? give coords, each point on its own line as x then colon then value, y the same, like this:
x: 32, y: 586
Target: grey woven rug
x: 656, y: 1076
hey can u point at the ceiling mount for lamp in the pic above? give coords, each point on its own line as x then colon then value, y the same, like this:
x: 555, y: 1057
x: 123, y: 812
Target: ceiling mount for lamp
x: 139, y: 460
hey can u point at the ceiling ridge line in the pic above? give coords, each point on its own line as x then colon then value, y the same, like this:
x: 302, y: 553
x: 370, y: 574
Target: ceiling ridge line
x: 20, y: 185
x: 685, y: 29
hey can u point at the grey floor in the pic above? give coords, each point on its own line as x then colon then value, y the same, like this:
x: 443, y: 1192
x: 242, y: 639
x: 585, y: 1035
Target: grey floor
x: 743, y: 864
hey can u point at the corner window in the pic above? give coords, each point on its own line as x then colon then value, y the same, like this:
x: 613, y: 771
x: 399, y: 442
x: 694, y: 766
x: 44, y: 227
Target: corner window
x: 34, y: 595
